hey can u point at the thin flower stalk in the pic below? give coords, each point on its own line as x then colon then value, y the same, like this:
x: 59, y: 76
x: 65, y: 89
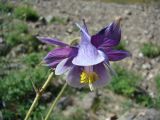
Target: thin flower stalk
x: 54, y: 103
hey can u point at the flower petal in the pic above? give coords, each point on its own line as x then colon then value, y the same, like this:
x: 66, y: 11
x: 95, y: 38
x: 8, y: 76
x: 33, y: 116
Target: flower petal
x: 62, y: 67
x: 109, y: 43
x: 87, y: 56
x: 52, y: 41
x: 87, y: 53
x: 85, y: 38
x: 54, y: 63
x: 111, y: 34
x: 98, y: 38
x: 73, y: 77
x: 62, y: 52
x: 57, y: 55
x: 115, y: 55
x: 107, y: 64
x: 103, y: 75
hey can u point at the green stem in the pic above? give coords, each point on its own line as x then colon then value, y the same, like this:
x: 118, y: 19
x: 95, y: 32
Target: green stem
x: 54, y: 103
x: 38, y: 95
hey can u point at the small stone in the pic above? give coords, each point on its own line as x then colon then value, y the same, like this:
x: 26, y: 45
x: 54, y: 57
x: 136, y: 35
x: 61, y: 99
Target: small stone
x: 150, y: 76
x: 48, y: 18
x: 128, y: 12
x: 70, y: 30
x: 146, y: 32
x: 146, y: 66
x: 153, y: 61
x: 43, y: 20
x: 64, y: 102
x: 152, y: 94
x: 9, y: 14
x: 69, y: 111
x: 87, y: 101
x: 140, y: 55
x: 150, y: 36
x: 46, y: 96
x: 1, y: 40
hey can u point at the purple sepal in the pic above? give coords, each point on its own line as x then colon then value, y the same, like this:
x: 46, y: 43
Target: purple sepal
x: 115, y: 55
x: 111, y: 34
x: 103, y: 75
x: 73, y: 77
x: 57, y: 55
x: 52, y: 41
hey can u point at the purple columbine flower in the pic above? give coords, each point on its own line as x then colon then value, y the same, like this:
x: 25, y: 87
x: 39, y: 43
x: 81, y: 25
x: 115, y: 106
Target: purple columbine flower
x: 88, y: 62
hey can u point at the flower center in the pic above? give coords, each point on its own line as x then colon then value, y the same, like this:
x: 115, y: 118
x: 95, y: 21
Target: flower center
x: 88, y: 78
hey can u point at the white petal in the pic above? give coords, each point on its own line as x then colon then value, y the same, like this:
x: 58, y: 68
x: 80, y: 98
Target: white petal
x: 61, y: 67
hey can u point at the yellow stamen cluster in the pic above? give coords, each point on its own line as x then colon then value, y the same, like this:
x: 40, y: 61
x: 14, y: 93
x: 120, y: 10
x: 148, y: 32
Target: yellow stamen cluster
x: 87, y: 77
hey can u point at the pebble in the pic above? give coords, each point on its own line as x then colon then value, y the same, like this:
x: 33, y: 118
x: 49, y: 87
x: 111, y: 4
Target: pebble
x: 146, y: 66
x: 87, y: 101
x: 46, y: 96
x: 127, y: 12
x: 69, y: 30
x: 48, y: 18
x: 1, y: 40
x: 140, y: 55
x: 146, y: 32
x: 64, y: 102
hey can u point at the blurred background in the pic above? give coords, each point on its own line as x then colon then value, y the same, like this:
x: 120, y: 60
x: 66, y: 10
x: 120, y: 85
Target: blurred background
x: 133, y: 95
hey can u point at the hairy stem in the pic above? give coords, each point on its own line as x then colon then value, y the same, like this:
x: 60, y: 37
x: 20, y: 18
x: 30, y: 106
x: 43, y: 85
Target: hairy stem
x: 38, y: 95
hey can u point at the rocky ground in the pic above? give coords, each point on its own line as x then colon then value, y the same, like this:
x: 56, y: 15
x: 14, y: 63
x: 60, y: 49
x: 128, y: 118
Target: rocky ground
x: 140, y: 24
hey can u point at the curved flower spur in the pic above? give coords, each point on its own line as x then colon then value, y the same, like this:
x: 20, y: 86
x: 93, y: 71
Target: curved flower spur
x: 88, y: 62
